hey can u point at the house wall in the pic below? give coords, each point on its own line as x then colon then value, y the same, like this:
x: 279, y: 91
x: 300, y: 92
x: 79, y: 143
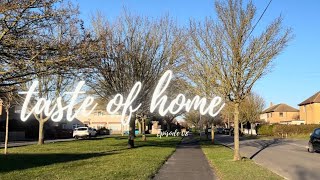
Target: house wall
x: 310, y: 113
x: 264, y: 117
x: 100, y: 118
x: 274, y: 117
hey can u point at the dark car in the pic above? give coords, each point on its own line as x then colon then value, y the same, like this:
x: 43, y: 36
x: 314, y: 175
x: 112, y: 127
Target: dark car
x: 314, y: 142
x: 103, y: 131
x: 232, y: 132
x: 227, y: 131
x: 220, y: 131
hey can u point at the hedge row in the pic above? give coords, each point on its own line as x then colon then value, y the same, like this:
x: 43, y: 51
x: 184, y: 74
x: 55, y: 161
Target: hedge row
x: 279, y: 129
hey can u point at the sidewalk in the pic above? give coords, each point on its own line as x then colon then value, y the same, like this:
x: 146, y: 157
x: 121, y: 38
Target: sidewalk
x: 187, y: 163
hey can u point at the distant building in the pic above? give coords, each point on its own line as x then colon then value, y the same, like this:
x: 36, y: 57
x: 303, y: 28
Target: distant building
x: 100, y: 118
x: 310, y: 109
x: 280, y: 113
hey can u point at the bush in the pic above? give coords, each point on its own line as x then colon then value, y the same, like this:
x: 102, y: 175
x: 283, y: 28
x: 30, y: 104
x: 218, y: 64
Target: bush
x: 265, y: 130
x: 280, y: 129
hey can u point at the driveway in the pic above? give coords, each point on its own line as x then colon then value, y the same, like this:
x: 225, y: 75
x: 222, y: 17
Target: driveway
x: 288, y: 158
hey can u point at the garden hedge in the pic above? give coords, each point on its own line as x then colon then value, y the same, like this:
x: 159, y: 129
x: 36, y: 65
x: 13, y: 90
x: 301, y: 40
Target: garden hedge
x: 280, y: 129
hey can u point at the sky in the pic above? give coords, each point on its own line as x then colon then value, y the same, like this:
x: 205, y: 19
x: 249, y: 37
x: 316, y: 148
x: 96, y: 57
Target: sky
x: 295, y: 75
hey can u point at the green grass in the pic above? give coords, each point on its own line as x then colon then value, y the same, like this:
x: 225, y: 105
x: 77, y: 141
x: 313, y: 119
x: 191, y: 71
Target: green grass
x: 106, y: 158
x: 221, y: 157
x: 300, y: 136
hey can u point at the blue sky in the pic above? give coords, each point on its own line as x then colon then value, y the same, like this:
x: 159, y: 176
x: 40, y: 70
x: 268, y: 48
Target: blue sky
x: 296, y: 72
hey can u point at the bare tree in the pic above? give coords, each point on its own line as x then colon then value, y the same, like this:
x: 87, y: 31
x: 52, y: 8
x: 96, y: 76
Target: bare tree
x: 129, y: 50
x: 227, y: 114
x: 22, y: 24
x: 193, y: 119
x: 54, y: 67
x: 237, y: 57
x: 250, y: 109
x: 7, y: 100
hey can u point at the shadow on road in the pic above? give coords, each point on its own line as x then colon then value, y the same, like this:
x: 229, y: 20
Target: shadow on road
x: 257, y: 143
x: 262, y: 144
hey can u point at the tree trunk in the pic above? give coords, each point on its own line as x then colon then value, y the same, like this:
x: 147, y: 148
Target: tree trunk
x: 132, y: 127
x: 168, y: 127
x: 7, y: 133
x: 241, y: 128
x: 212, y: 133
x: 41, y: 133
x: 122, y: 134
x: 207, y: 131
x: 236, y: 155
x: 139, y: 127
x: 143, y: 130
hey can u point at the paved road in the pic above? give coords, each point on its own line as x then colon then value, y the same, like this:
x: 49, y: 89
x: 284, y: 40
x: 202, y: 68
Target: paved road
x: 288, y: 158
x: 187, y: 163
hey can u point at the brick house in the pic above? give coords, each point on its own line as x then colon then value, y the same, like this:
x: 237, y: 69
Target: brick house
x: 280, y: 113
x: 310, y: 109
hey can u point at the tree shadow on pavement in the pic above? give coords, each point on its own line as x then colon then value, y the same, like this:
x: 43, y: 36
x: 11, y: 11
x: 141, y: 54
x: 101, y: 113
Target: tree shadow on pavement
x: 262, y: 145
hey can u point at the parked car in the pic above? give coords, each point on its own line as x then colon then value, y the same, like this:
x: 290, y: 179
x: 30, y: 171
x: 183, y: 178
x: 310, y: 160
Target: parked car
x: 84, y: 132
x: 135, y: 132
x: 209, y: 130
x: 314, y: 142
x: 103, y: 131
x: 227, y: 131
x: 220, y: 131
x: 232, y: 132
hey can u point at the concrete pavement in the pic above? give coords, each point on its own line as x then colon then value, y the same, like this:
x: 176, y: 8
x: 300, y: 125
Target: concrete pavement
x: 288, y: 158
x: 187, y: 163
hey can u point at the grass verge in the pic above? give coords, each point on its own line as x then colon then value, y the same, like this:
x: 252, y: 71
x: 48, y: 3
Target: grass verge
x: 221, y: 157
x: 106, y: 158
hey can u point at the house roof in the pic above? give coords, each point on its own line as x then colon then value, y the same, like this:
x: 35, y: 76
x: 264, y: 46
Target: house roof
x: 313, y: 99
x: 280, y: 108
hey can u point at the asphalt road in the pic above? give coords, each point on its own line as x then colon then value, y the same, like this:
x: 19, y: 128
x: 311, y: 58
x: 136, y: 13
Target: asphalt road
x: 288, y: 158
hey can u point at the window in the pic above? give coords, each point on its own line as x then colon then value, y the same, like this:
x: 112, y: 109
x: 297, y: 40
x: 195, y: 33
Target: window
x: 75, y: 126
x: 317, y: 132
x: 82, y: 129
x: 100, y: 113
x: 281, y: 114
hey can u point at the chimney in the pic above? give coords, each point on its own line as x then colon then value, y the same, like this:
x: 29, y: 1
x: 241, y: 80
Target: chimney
x: 271, y: 104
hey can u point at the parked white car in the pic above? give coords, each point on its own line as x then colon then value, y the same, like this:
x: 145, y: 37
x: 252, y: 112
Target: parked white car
x: 84, y: 132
